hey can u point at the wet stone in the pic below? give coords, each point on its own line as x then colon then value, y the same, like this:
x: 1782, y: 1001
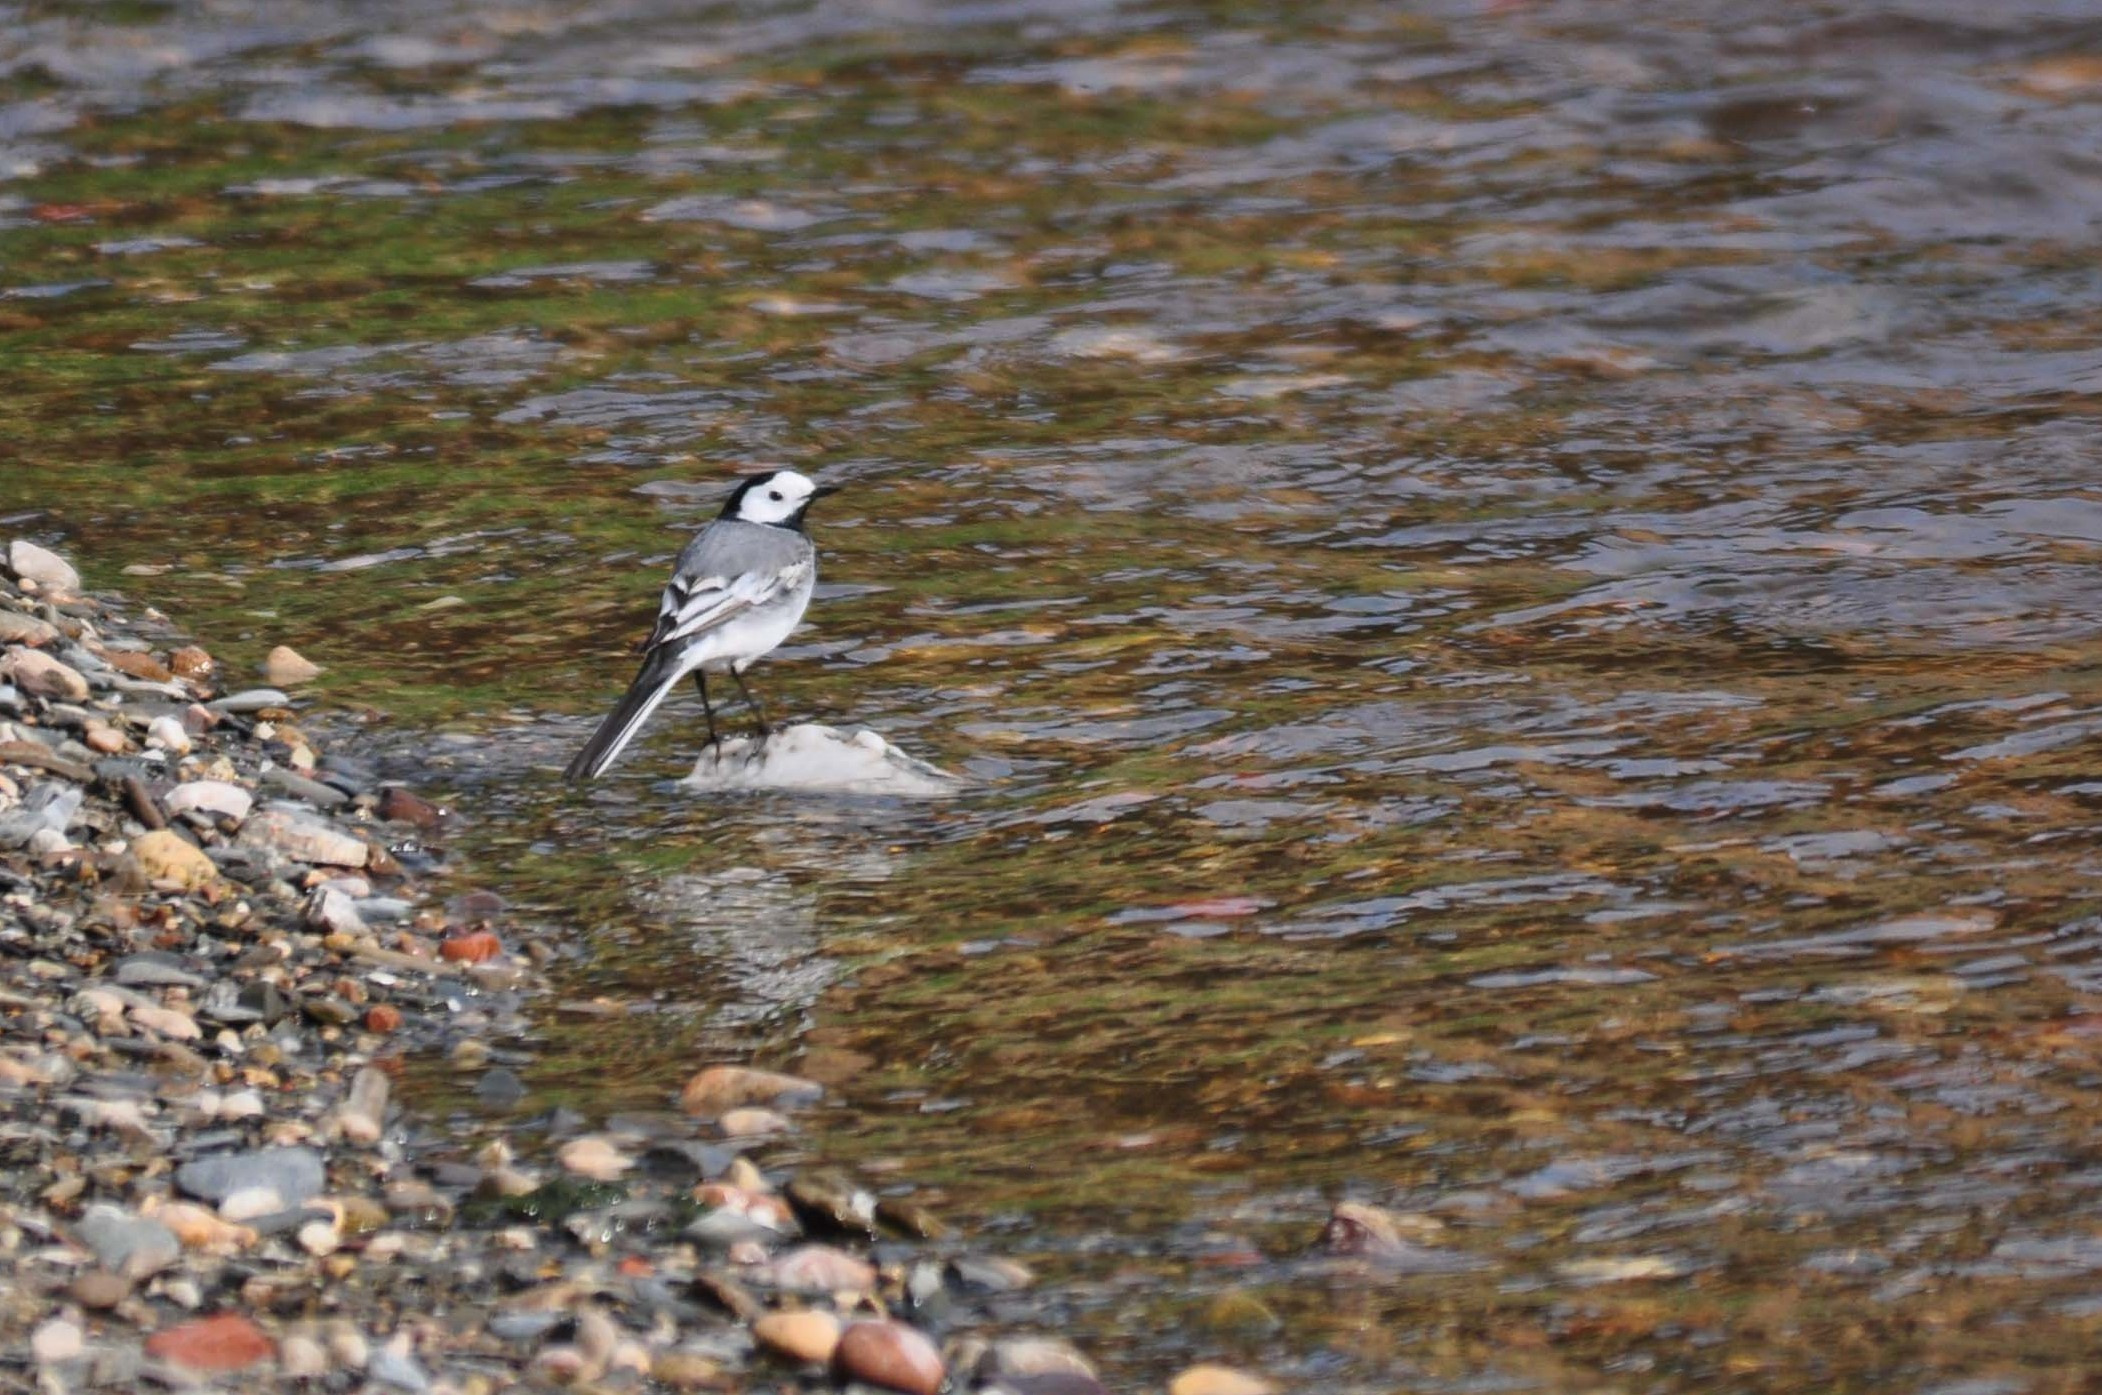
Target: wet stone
x: 249, y: 700
x: 809, y: 1336
x: 166, y: 856
x: 397, y: 805
x: 32, y: 562
x: 891, y: 1356
x: 55, y: 1341
x: 500, y: 1087
x: 1219, y: 1380
x: 314, y: 792
x: 156, y: 971
x: 718, y: 1089
x: 304, y: 840
x: 221, y: 1343
x: 127, y: 1244
x: 285, y: 1176
x: 284, y: 666
x: 209, y: 796
x: 1048, y: 1383
x: 37, y: 673
x: 99, y: 1290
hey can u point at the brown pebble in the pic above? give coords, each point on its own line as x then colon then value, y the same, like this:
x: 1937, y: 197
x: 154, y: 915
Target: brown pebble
x: 719, y: 1088
x: 1219, y: 1380
x: 36, y: 757
x: 726, y: 1293
x: 473, y: 948
x: 144, y: 807
x: 891, y: 1355
x: 754, y: 1123
x: 222, y: 1342
x: 910, y: 1218
x: 134, y: 664
x: 809, y: 1335
x: 397, y: 805
x: 192, y: 662
x: 686, y: 1370
x: 36, y: 672
x: 382, y: 1017
x: 98, y: 1289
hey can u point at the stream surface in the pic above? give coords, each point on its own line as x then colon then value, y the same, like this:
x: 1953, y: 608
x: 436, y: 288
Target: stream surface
x: 1520, y: 581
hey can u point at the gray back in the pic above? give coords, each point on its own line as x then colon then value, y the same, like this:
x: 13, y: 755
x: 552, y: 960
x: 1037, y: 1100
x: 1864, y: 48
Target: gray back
x: 729, y: 548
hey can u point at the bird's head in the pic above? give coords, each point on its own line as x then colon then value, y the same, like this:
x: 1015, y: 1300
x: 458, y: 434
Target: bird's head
x: 777, y: 498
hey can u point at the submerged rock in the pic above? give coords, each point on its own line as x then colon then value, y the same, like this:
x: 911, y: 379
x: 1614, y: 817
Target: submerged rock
x: 819, y: 759
x: 717, y: 1089
x: 41, y: 565
x: 285, y: 666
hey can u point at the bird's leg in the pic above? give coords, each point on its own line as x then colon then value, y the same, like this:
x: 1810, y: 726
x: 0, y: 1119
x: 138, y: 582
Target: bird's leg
x: 766, y: 728
x: 700, y: 680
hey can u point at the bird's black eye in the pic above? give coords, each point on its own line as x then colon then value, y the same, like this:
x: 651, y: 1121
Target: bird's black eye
x: 774, y: 494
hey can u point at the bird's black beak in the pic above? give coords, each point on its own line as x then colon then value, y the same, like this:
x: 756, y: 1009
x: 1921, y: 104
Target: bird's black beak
x: 822, y: 490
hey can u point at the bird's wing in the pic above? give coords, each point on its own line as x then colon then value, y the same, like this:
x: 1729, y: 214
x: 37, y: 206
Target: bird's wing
x: 694, y: 605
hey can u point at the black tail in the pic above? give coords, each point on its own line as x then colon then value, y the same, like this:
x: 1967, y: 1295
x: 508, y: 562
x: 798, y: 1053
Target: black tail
x: 626, y: 718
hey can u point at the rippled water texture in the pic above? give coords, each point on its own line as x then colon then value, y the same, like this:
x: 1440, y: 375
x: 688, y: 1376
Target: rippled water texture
x: 1521, y: 578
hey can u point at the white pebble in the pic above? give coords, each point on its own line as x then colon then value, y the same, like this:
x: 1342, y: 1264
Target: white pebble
x: 168, y: 735
x: 241, y: 1104
x: 301, y: 1358
x: 319, y: 1238
x: 250, y: 1202
x: 57, y: 1340
x: 595, y: 1158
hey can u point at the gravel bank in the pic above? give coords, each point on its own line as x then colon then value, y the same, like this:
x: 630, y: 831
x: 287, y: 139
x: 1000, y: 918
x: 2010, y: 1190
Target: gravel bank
x: 218, y: 937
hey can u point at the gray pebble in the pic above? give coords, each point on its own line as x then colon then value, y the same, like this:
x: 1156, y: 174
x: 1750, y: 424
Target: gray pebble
x: 250, y: 700
x: 295, y: 1174
x: 500, y: 1088
x: 134, y: 1246
x: 156, y: 971
x: 524, y: 1326
x: 397, y: 1369
x: 300, y: 787
x: 47, y: 804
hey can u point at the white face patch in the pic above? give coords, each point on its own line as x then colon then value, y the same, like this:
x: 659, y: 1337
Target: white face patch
x: 775, y: 498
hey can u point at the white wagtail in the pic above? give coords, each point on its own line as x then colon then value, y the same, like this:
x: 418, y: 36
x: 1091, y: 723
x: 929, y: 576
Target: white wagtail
x: 736, y: 591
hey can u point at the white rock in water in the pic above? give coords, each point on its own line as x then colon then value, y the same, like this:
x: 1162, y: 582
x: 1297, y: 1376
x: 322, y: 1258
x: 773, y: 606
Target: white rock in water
x: 212, y: 796
x: 285, y: 666
x: 820, y: 759
x: 41, y: 565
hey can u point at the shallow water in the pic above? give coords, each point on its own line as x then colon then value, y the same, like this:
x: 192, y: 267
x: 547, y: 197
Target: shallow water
x: 1520, y: 579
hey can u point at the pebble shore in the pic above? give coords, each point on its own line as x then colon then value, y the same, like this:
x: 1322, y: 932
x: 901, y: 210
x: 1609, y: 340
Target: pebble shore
x: 218, y: 940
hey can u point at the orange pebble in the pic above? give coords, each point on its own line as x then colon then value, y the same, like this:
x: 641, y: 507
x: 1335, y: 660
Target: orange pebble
x: 382, y: 1017
x: 472, y: 948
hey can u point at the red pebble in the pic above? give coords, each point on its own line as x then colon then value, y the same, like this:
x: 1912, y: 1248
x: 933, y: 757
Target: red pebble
x: 382, y: 1017
x: 222, y: 1342
x: 472, y: 948
x: 891, y: 1355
